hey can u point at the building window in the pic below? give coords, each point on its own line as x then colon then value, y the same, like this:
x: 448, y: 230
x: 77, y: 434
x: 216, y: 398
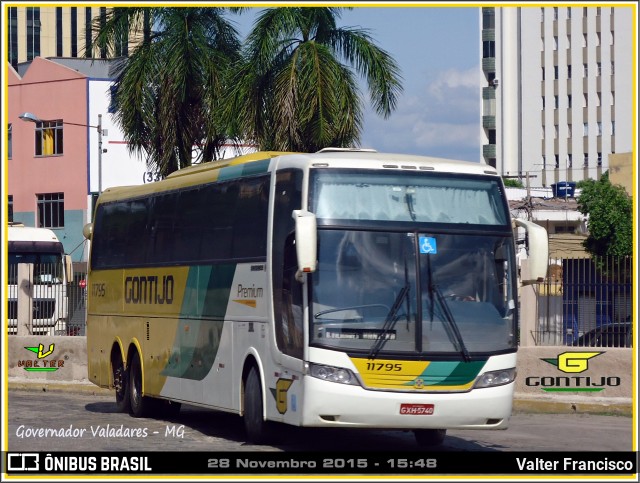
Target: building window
x: 568, y: 130
x: 613, y: 128
x: 543, y: 103
x: 103, y: 22
x: 585, y: 163
x: 488, y: 48
x: 13, y: 36
x: 584, y: 40
x: 543, y: 73
x: 599, y: 128
x: 569, y: 71
x: 59, y: 31
x: 488, y: 18
x: 568, y: 12
x: 555, y: 42
x: 598, y: 39
x: 585, y: 100
x: 10, y: 208
x: 51, y: 210
x: 599, y: 159
x: 9, y: 141
x: 599, y: 67
x: 555, y: 13
x: 33, y: 32
x: 88, y: 37
x: 555, y: 131
x: 598, y: 11
x: 557, y: 159
x: 585, y: 70
x: 569, y: 101
x: 585, y: 128
x: 598, y: 98
x: 74, y: 31
x: 556, y: 102
x: 544, y: 162
x: 584, y: 12
x: 569, y: 160
x: 556, y: 71
x: 542, y: 14
x: 49, y: 138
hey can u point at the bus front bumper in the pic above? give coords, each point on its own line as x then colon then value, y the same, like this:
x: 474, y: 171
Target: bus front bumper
x: 328, y: 404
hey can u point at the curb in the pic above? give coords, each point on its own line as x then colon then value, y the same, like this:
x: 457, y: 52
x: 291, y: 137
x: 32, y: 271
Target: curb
x: 522, y: 403
x: 70, y: 387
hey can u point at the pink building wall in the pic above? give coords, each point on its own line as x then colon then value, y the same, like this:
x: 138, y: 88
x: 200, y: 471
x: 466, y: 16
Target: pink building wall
x: 51, y: 92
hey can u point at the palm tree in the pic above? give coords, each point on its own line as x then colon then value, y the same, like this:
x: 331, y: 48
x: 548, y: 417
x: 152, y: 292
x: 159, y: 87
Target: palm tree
x: 295, y: 88
x: 168, y: 91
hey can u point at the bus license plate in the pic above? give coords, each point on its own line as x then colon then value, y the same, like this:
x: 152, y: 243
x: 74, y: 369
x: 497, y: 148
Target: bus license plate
x: 425, y: 409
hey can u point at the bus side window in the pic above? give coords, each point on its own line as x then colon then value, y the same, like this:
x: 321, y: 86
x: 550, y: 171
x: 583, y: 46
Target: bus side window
x: 287, y: 293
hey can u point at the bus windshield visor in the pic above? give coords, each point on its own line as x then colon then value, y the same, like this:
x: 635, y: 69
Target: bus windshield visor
x: 418, y: 197
x: 385, y: 293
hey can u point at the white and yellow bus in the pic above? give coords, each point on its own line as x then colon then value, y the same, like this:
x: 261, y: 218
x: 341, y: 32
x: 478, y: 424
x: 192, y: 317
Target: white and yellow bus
x: 342, y: 288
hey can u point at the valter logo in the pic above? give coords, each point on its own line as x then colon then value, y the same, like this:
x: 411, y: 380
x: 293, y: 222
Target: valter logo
x: 572, y: 363
x: 43, y: 363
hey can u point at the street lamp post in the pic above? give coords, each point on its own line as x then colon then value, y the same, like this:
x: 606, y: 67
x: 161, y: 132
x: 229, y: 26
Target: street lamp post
x: 30, y: 117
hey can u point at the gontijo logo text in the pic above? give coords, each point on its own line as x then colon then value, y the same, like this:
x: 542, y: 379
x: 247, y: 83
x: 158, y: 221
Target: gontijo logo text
x: 572, y: 363
x: 43, y: 363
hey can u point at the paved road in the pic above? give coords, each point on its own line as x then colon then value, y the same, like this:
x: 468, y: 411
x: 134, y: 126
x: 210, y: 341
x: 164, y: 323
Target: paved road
x: 94, y: 425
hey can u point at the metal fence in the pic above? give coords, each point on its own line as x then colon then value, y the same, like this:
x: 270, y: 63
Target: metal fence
x: 586, y: 303
x: 56, y: 308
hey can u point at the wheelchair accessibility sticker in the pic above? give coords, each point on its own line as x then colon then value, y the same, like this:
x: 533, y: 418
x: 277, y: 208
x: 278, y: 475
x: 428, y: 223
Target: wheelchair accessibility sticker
x: 428, y: 244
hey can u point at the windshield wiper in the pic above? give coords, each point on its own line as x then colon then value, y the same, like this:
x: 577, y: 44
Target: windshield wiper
x: 453, y: 326
x: 389, y: 323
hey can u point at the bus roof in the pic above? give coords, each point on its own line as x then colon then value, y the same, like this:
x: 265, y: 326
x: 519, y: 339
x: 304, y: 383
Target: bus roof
x: 260, y: 162
x: 28, y: 233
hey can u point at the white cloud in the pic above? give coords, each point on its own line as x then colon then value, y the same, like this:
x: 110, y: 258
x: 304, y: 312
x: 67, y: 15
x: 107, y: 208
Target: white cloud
x: 440, y: 118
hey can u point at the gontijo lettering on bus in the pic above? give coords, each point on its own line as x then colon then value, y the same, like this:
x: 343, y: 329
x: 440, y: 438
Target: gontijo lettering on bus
x: 149, y: 289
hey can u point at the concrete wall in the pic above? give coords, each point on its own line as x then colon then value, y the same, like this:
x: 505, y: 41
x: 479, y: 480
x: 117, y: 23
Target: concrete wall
x: 614, y: 365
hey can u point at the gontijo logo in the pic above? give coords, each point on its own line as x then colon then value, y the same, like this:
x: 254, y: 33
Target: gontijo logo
x: 572, y: 363
x: 41, y: 364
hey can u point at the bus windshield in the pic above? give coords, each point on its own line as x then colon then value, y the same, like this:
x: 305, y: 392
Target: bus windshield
x: 47, y: 267
x: 380, y: 292
x: 412, y: 262
x: 418, y: 197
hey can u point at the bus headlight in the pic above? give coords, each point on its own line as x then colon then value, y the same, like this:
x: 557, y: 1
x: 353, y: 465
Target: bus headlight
x: 496, y: 378
x: 333, y: 374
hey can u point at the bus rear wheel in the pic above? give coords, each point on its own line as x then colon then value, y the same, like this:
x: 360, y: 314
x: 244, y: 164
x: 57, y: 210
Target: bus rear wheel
x: 430, y: 437
x: 258, y: 430
x: 140, y: 405
x: 121, y: 383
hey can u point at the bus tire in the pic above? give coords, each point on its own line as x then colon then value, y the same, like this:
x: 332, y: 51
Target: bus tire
x: 141, y: 405
x: 256, y: 428
x: 121, y: 384
x: 429, y: 437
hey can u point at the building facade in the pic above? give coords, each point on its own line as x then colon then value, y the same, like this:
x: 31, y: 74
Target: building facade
x: 557, y: 93
x: 55, y: 32
x: 58, y: 164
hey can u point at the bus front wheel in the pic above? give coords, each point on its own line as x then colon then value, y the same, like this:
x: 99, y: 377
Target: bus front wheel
x: 140, y: 405
x: 121, y: 383
x: 430, y: 437
x: 257, y: 429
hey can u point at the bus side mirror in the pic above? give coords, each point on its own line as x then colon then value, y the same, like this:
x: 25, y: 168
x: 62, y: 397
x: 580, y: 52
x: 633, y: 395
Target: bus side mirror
x: 537, y: 251
x: 306, y: 242
x: 68, y: 268
x: 87, y: 231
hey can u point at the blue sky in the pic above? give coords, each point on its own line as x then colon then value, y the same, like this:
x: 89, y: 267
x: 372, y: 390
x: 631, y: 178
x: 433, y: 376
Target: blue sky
x: 437, y: 49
